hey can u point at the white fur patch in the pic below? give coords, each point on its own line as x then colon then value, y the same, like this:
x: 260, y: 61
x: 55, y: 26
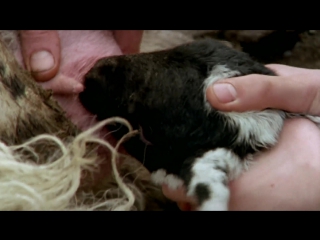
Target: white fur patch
x: 161, y: 177
x: 258, y: 128
x: 210, y: 170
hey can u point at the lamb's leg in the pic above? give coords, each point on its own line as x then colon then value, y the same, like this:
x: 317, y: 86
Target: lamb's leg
x: 206, y: 178
x: 209, y: 177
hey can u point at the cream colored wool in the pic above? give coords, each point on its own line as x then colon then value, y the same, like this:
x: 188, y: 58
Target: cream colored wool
x: 25, y: 185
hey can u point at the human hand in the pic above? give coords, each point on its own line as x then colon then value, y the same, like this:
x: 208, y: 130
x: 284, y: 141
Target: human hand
x: 285, y: 177
x: 294, y: 89
x: 41, y: 50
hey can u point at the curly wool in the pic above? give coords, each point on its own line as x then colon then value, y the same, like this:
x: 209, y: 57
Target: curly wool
x: 25, y: 185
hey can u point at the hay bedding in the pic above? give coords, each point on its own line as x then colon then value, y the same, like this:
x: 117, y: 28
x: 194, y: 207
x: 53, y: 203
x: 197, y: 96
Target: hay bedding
x: 46, y: 162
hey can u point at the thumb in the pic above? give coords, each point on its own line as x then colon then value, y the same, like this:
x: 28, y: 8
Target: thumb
x: 128, y: 40
x: 298, y: 93
x: 41, y: 53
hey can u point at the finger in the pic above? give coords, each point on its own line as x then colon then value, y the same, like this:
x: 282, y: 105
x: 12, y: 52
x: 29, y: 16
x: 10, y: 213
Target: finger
x: 63, y: 85
x: 298, y: 93
x: 41, y: 53
x: 128, y: 40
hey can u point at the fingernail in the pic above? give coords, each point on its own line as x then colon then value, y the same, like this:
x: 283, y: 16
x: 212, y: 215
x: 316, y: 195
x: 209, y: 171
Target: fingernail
x: 41, y: 61
x: 225, y: 92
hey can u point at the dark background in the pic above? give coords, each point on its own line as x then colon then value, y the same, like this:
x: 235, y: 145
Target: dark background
x: 298, y: 48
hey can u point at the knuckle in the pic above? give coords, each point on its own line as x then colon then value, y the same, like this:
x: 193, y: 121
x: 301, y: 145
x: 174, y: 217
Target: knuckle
x: 261, y: 86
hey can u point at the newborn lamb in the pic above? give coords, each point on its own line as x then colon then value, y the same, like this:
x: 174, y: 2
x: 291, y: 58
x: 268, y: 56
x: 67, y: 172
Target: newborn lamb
x: 183, y: 140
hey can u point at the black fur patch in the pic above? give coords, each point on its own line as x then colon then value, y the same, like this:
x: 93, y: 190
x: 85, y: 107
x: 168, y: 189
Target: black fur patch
x: 202, y: 192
